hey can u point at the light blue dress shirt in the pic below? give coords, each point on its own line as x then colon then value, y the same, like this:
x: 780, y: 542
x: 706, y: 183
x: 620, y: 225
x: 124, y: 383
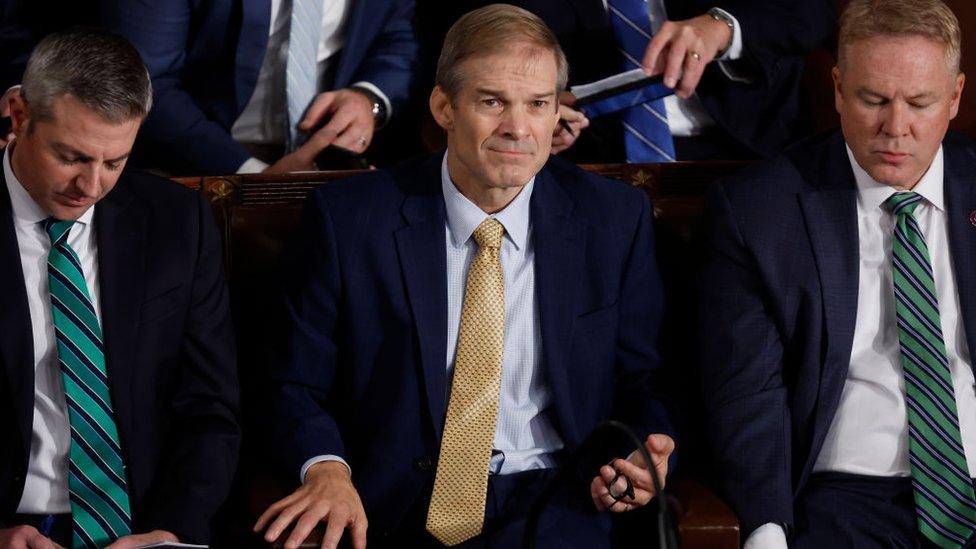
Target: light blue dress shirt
x: 525, y: 437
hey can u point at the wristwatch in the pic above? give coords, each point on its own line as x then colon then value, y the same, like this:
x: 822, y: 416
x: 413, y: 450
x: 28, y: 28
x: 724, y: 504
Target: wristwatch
x: 379, y: 107
x: 722, y: 17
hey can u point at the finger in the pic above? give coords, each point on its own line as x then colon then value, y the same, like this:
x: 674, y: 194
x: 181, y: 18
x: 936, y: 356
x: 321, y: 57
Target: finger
x: 692, y: 70
x: 652, y: 63
x: 675, y: 61
x: 359, y: 527
x: 659, y: 444
x: 333, y: 530
x: 638, y: 475
x: 36, y: 540
x: 317, y: 110
x: 597, y: 488
x: 340, y: 121
x: 356, y: 136
x: 273, y: 510
x: 304, y: 526
x: 607, y: 472
x: 284, y: 519
x: 571, y: 115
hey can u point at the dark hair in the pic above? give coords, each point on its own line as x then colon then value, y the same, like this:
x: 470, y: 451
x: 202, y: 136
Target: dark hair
x: 100, y: 69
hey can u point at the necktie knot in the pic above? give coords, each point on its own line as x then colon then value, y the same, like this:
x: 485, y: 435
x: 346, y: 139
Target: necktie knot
x: 902, y: 203
x: 57, y: 230
x: 489, y: 234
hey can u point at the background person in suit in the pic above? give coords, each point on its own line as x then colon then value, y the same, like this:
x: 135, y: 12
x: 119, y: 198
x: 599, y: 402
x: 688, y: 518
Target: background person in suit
x: 118, y: 391
x: 492, y: 275
x: 266, y: 73
x: 839, y: 296
x: 736, y: 67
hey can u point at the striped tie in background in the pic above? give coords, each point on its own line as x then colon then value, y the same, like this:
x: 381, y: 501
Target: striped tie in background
x: 647, y: 136
x: 301, y: 71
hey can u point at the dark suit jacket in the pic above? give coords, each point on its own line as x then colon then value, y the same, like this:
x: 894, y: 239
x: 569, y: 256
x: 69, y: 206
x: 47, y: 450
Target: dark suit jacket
x: 204, y: 57
x: 779, y: 302
x: 169, y: 354
x: 362, y: 371
x: 763, y: 116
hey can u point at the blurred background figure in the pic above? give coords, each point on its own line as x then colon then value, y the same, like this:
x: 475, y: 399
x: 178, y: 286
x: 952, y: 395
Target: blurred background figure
x: 736, y: 71
x: 254, y: 85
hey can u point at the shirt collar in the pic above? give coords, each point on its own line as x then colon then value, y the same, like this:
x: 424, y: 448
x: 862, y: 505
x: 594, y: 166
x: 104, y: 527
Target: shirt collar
x: 26, y: 211
x: 872, y: 194
x: 463, y: 216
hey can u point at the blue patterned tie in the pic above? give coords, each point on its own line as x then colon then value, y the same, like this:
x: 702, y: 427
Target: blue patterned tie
x: 96, y: 475
x: 301, y: 72
x: 647, y: 136
x: 944, y: 500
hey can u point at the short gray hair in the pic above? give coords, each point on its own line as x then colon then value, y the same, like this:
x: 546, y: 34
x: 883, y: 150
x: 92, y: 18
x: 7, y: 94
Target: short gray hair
x: 100, y: 69
x: 931, y: 19
x: 491, y: 30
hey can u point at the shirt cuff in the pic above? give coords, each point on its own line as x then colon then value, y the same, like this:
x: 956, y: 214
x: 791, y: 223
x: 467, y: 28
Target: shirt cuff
x: 379, y: 93
x: 767, y: 536
x: 320, y: 459
x: 252, y: 165
x: 735, y: 48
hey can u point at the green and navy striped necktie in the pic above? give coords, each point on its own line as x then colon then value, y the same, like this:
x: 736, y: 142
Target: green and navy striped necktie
x: 96, y: 475
x: 945, y: 504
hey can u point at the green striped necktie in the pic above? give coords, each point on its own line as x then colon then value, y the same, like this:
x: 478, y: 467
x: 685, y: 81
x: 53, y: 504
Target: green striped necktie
x: 96, y: 475
x: 945, y: 505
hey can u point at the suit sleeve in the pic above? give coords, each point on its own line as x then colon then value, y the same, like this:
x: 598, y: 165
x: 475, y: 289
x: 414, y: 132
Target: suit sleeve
x: 303, y: 364
x: 201, y: 455
x: 748, y: 420
x: 772, y: 30
x: 638, y: 398
x: 391, y: 62
x: 177, y: 127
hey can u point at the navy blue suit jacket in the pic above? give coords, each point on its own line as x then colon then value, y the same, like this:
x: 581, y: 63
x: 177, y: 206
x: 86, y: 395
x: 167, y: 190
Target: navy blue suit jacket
x: 362, y: 371
x: 204, y: 57
x: 779, y: 302
x: 169, y: 353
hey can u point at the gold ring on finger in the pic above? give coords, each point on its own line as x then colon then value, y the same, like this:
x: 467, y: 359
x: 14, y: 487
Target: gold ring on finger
x: 694, y: 55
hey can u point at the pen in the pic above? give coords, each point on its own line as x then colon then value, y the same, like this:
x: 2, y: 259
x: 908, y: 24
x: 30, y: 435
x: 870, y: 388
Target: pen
x: 566, y: 126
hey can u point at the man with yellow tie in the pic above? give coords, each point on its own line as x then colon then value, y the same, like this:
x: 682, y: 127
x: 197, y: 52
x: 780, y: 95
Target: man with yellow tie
x: 457, y: 325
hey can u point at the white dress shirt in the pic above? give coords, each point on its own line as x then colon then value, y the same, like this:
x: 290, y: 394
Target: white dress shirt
x: 46, y: 485
x: 688, y: 117
x: 869, y: 431
x: 265, y: 117
x: 524, y: 434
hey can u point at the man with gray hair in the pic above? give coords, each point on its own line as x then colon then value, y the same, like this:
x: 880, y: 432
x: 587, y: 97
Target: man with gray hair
x: 118, y: 389
x: 839, y: 306
x: 456, y: 325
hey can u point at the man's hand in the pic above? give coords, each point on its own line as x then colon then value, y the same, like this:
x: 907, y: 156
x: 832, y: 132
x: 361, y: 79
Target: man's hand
x: 25, y: 537
x: 139, y: 540
x: 681, y: 49
x: 563, y: 139
x: 634, y: 469
x: 350, y: 126
x: 327, y: 494
x: 5, y: 112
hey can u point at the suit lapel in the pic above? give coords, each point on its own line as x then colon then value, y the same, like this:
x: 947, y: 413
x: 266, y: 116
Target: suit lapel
x: 423, y: 261
x: 251, y: 47
x: 120, y: 229
x: 960, y: 192
x: 16, y: 338
x: 830, y: 214
x: 558, y: 242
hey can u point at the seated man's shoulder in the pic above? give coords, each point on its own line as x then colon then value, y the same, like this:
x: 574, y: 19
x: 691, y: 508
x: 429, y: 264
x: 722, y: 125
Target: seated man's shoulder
x: 962, y: 148
x: 158, y: 195
x: 781, y: 177
x: 385, y: 188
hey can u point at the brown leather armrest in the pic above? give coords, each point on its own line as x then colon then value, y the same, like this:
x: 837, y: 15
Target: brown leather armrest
x: 703, y: 520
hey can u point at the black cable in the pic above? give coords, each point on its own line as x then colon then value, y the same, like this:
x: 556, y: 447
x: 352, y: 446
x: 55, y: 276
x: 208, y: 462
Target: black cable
x: 667, y: 539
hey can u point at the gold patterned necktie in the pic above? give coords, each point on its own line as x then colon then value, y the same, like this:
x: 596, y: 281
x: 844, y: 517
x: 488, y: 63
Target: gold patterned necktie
x: 457, y: 506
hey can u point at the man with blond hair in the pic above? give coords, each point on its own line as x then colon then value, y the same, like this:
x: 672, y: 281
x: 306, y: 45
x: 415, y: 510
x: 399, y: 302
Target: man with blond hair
x: 839, y: 306
x: 459, y: 324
